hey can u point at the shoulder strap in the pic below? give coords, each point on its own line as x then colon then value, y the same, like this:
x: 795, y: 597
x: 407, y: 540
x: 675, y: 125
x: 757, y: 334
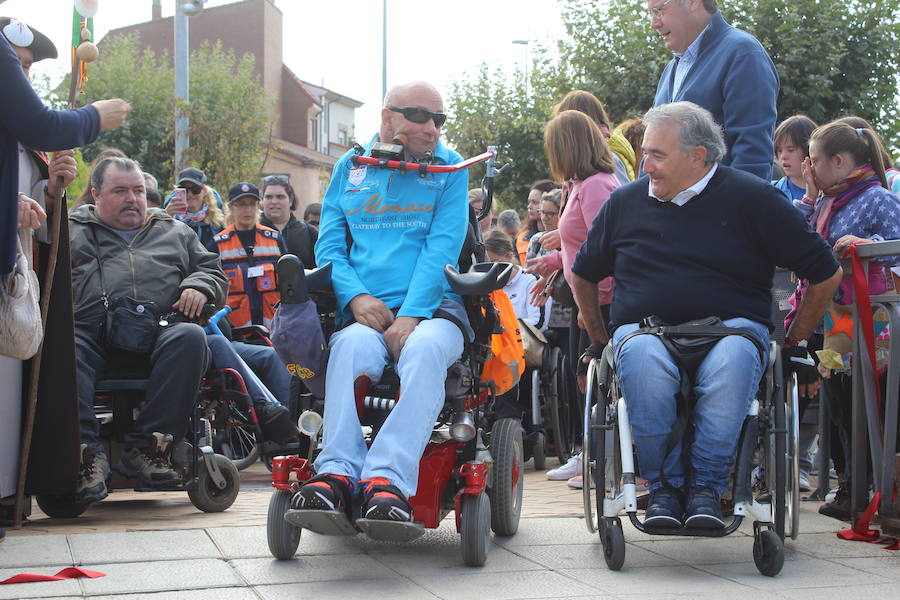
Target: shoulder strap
x: 103, y: 293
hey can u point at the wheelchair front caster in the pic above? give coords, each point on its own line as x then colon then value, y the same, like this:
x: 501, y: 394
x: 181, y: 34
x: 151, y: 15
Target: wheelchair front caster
x: 507, y: 476
x: 475, y: 528
x: 768, y: 553
x: 207, y: 495
x: 613, y: 539
x: 539, y: 451
x: 283, y: 537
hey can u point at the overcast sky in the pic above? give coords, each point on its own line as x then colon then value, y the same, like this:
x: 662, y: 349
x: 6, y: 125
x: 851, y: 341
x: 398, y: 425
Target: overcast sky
x: 338, y: 42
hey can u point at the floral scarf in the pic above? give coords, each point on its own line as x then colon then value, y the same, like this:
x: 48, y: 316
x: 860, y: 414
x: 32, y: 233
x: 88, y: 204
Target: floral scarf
x: 194, y: 217
x: 840, y: 195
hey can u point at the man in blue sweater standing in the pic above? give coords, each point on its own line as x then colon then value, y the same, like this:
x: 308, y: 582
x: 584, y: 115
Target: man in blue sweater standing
x: 694, y: 239
x: 724, y: 70
x: 388, y: 235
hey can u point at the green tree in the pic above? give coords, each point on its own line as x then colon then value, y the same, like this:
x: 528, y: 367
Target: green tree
x: 231, y: 114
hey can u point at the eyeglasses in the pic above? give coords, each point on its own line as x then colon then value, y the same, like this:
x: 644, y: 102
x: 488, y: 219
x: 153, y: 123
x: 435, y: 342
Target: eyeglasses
x: 549, y: 213
x: 192, y: 188
x: 658, y: 11
x: 420, y: 115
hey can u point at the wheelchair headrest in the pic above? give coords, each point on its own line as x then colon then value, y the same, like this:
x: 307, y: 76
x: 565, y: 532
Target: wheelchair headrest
x: 482, y: 278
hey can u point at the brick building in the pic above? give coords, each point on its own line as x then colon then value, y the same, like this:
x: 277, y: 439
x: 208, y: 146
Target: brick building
x: 314, y: 126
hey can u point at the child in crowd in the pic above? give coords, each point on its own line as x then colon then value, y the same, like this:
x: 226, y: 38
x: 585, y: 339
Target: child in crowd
x: 500, y: 248
x: 791, y: 149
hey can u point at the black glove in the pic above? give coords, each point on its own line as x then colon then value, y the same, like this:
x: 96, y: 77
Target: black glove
x: 799, y: 360
x: 595, y: 350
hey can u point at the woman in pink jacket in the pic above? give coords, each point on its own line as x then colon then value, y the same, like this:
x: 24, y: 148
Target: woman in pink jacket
x: 578, y: 155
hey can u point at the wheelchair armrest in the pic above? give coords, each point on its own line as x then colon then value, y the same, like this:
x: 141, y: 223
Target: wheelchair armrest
x: 482, y: 278
x: 318, y: 280
x: 250, y: 331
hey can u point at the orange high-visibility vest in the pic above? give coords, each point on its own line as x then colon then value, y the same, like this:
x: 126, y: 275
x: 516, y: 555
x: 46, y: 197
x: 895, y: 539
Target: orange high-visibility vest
x: 252, y: 293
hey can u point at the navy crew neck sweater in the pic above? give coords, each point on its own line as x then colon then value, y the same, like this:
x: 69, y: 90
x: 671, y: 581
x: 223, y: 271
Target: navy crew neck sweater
x: 716, y: 255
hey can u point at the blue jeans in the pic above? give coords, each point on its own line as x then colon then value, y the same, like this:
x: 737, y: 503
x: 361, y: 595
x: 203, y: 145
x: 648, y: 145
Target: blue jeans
x: 432, y: 347
x: 274, y: 383
x: 726, y: 383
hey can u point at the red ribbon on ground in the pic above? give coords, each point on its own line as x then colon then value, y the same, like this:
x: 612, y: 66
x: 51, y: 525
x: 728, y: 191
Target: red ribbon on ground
x: 67, y: 573
x: 861, y: 532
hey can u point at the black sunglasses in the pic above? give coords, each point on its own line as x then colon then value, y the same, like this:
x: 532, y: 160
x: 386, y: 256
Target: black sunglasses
x: 420, y: 115
x: 274, y: 179
x: 194, y: 189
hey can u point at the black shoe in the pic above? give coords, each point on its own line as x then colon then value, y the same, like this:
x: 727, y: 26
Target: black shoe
x: 704, y: 509
x: 665, y: 509
x: 383, y: 501
x: 2, y: 535
x: 839, y: 508
x: 325, y: 492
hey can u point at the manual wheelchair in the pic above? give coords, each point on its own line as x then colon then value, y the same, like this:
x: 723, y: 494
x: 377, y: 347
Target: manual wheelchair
x: 769, y: 432
x: 550, y: 419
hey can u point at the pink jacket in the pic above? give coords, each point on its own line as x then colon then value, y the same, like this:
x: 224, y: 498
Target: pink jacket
x: 583, y: 204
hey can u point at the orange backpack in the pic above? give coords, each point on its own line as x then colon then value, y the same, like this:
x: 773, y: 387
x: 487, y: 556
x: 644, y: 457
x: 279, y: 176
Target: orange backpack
x: 507, y: 361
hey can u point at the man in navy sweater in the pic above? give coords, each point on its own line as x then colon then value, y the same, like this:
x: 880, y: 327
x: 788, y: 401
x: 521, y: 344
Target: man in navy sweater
x: 724, y: 70
x: 692, y: 239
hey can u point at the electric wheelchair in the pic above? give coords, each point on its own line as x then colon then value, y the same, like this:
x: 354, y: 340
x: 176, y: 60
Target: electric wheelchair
x: 473, y: 463
x: 210, y: 479
x: 769, y: 436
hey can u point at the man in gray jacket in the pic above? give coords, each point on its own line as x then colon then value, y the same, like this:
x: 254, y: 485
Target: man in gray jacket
x: 146, y: 255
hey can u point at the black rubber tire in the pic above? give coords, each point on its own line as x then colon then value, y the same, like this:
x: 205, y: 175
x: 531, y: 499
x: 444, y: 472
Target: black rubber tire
x: 475, y: 528
x: 539, y: 452
x: 768, y: 553
x: 283, y: 537
x: 507, y: 476
x: 779, y: 424
x: 556, y: 409
x: 613, y: 539
x: 61, y: 506
x: 207, y: 496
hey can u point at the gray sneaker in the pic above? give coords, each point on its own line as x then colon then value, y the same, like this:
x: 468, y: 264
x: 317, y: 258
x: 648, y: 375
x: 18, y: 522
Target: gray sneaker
x: 151, y: 466
x: 92, y: 479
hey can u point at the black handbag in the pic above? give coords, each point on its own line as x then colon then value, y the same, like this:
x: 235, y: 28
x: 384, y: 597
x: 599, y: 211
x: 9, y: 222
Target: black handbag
x: 560, y: 290
x: 131, y: 325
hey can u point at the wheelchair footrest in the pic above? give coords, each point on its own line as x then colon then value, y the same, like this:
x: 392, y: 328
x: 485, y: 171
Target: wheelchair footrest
x: 165, y: 488
x: 324, y: 522
x: 390, y: 531
x: 687, y: 531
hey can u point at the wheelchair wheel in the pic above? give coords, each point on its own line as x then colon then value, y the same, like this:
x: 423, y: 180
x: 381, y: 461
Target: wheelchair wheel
x: 602, y: 455
x: 768, y: 553
x: 556, y: 405
x: 792, y: 457
x: 207, y: 496
x: 235, y: 436
x: 778, y: 461
x: 474, y: 528
x: 283, y: 537
x: 507, y: 476
x: 613, y: 540
x: 61, y: 506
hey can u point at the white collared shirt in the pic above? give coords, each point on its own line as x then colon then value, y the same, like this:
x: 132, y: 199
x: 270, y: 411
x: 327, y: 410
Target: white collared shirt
x: 686, y: 61
x: 682, y: 197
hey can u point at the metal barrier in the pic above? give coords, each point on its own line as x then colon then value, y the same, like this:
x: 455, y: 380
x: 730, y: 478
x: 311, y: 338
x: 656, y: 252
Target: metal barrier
x: 869, y: 431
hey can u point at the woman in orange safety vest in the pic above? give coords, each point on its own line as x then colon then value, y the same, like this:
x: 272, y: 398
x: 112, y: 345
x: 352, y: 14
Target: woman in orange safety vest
x: 248, y: 252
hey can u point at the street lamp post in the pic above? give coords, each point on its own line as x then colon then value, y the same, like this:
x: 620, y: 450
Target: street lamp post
x: 524, y: 43
x: 183, y: 10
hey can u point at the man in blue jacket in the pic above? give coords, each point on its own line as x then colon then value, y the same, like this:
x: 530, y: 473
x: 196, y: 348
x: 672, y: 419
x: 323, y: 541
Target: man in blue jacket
x: 724, y: 70
x: 388, y: 235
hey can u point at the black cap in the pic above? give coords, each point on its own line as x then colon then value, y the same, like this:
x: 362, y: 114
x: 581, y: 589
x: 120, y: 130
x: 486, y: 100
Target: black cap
x: 239, y: 190
x: 19, y: 34
x: 193, y: 175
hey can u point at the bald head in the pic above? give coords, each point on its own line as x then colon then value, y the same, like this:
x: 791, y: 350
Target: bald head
x: 417, y: 138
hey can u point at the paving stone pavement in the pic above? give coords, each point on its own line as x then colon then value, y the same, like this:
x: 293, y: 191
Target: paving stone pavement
x: 157, y: 547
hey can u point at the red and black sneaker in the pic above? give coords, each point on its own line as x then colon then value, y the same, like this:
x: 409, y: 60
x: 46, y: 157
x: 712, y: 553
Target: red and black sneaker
x: 323, y: 505
x: 386, y: 513
x: 383, y: 501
